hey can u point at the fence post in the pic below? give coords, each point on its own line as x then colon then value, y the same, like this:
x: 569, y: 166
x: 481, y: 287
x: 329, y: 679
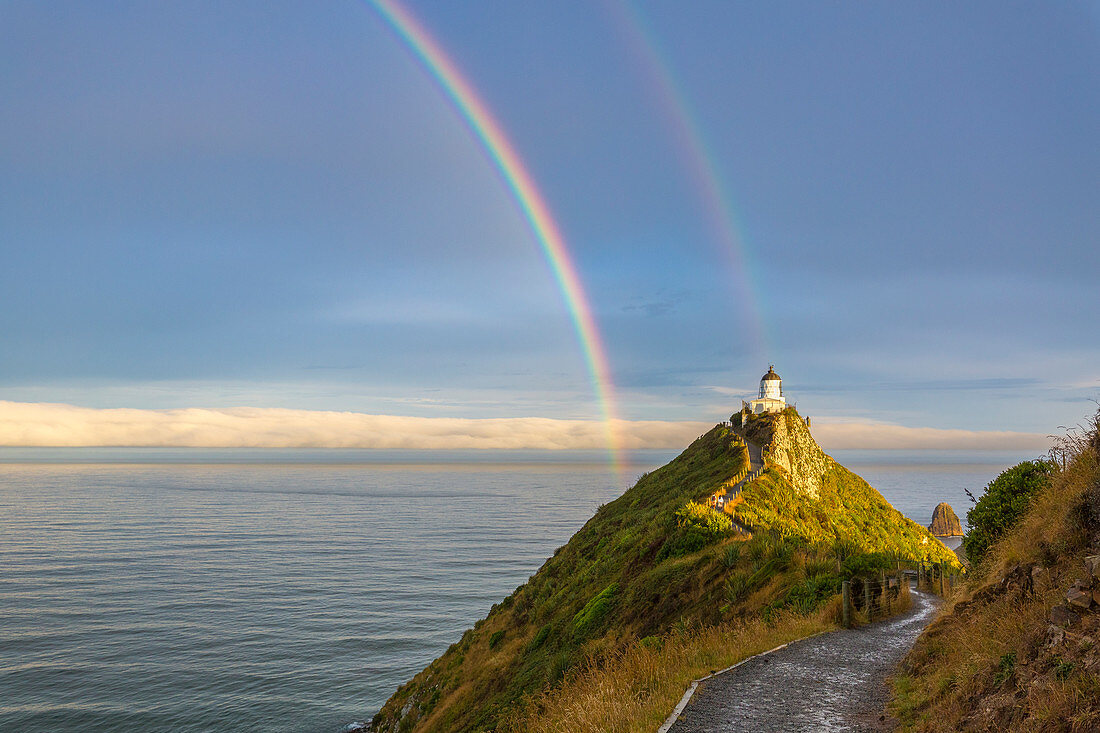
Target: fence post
x: 846, y: 598
x: 867, y: 600
x: 943, y: 591
x: 882, y: 591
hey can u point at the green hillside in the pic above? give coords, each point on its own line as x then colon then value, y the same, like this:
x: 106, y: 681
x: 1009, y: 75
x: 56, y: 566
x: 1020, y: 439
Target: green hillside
x: 657, y: 558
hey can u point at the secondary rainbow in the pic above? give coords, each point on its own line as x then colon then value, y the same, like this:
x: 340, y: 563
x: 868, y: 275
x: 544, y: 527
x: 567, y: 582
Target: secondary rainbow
x: 699, y: 159
x: 526, y: 194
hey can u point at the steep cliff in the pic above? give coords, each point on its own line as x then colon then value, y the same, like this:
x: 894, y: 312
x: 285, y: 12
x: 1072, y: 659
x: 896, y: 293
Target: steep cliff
x: 657, y: 558
x: 790, y: 448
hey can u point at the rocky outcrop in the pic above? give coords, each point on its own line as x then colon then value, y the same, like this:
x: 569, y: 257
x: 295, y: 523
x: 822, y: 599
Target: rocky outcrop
x: 788, y: 445
x: 944, y: 522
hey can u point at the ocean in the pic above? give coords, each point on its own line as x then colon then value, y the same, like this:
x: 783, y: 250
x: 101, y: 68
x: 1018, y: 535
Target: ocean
x: 292, y: 591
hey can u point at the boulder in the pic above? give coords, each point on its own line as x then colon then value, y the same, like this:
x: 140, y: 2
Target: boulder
x: 1092, y: 566
x: 1061, y: 615
x: 1078, y: 598
x: 944, y: 522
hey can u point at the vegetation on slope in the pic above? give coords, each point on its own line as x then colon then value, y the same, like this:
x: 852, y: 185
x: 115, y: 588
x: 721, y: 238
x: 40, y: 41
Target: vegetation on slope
x: 654, y: 560
x: 1005, y: 500
x: 1016, y: 648
x: 845, y: 506
x: 634, y: 689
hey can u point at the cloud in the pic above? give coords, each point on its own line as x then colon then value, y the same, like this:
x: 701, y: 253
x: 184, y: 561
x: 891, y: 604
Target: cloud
x: 25, y: 424
x: 32, y: 424
x: 884, y: 436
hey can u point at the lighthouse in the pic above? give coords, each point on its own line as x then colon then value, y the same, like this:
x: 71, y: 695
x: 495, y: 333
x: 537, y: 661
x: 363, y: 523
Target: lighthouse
x: 771, y: 397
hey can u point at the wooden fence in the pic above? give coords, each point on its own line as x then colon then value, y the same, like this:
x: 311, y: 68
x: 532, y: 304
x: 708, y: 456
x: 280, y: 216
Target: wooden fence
x: 873, y: 597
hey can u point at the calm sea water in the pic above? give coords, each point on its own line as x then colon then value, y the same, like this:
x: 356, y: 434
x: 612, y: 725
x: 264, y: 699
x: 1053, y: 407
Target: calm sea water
x: 217, y: 595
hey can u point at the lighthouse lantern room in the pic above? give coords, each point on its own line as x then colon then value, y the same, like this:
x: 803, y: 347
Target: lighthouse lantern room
x: 771, y: 397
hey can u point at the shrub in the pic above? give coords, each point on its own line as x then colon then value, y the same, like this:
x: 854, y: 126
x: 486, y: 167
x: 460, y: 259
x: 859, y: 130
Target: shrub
x: 702, y: 518
x: 810, y: 593
x: 697, y: 525
x: 1005, y: 500
x: 495, y: 638
x: 732, y: 555
x: 540, y: 637
x: 589, y: 617
x: 1005, y: 668
x: 737, y: 587
x: 866, y: 563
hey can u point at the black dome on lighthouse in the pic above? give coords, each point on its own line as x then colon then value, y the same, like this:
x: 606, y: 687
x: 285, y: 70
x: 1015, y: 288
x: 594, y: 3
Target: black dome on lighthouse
x: 771, y: 375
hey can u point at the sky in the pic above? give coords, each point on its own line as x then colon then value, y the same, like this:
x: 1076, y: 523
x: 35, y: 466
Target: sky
x: 250, y: 208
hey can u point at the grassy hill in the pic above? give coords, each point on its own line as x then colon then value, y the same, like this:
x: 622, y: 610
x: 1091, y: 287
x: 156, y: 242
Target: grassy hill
x: 1016, y: 648
x: 657, y: 560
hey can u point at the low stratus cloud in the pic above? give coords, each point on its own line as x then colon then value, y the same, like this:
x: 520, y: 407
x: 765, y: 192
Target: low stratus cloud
x: 28, y: 424
x: 45, y: 424
x: 883, y: 436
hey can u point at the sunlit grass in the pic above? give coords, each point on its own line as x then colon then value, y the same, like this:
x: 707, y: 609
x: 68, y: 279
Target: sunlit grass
x: 635, y: 689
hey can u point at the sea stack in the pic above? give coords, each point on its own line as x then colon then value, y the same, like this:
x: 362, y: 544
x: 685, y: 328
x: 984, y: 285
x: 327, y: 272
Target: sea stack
x: 944, y: 522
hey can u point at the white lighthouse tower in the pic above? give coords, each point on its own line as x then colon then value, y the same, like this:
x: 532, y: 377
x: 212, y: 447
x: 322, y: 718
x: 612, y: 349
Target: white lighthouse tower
x: 771, y: 397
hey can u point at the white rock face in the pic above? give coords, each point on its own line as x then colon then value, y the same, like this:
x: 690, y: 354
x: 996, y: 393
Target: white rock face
x: 796, y: 452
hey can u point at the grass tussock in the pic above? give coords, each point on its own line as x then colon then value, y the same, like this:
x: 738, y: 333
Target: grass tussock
x: 636, y: 688
x: 994, y: 659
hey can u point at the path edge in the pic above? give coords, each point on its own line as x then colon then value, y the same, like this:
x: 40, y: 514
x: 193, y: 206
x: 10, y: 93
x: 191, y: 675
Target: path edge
x: 679, y: 709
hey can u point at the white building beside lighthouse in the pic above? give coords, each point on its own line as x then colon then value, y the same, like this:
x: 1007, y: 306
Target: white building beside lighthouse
x: 771, y: 397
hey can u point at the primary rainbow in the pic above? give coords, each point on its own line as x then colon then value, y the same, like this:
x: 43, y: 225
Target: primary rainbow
x: 531, y: 203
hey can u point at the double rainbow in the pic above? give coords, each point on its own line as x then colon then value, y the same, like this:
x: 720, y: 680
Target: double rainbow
x: 527, y: 196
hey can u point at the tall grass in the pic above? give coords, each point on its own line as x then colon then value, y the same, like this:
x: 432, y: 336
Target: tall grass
x: 634, y: 689
x: 988, y: 662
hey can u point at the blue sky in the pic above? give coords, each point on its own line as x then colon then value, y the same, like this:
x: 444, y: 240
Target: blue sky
x: 273, y: 205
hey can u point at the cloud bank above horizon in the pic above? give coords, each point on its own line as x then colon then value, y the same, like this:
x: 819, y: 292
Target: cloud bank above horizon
x: 39, y: 424
x: 886, y: 436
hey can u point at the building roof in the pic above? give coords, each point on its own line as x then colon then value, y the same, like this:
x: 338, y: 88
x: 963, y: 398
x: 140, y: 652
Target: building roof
x: 771, y: 375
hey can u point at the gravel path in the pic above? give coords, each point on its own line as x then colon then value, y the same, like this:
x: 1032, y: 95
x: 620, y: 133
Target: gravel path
x: 832, y: 682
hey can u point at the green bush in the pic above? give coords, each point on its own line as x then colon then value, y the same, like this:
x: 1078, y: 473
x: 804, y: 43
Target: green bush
x: 737, y: 587
x: 540, y: 637
x: 693, y: 516
x: 811, y: 593
x: 697, y: 525
x: 588, y: 618
x: 867, y: 564
x: 495, y: 638
x: 1005, y: 500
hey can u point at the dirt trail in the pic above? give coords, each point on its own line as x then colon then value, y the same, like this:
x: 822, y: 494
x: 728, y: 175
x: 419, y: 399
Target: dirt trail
x: 832, y: 682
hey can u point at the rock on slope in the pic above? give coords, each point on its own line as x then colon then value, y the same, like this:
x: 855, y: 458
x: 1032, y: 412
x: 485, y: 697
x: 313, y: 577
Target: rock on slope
x: 637, y: 568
